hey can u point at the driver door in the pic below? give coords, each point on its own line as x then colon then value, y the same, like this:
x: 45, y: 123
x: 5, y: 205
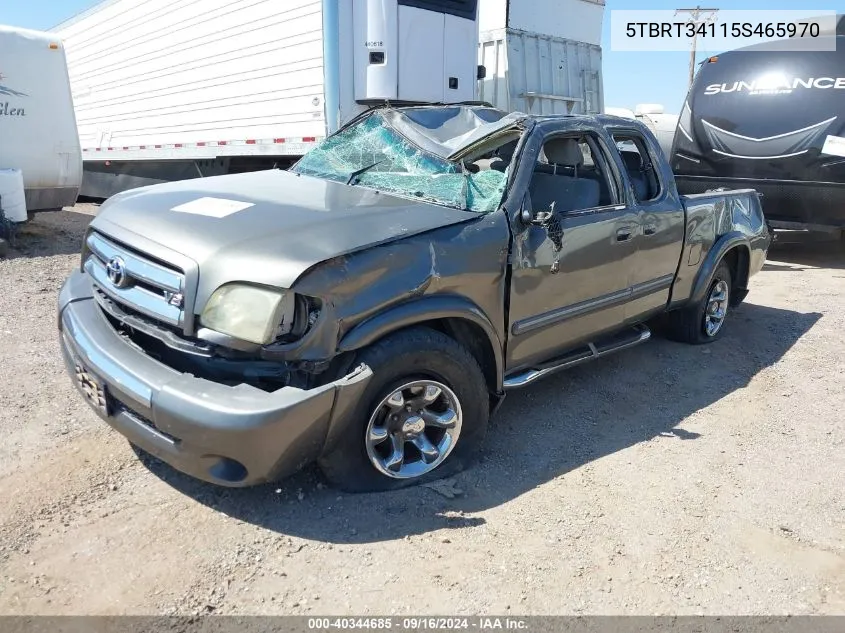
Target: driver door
x: 570, y: 279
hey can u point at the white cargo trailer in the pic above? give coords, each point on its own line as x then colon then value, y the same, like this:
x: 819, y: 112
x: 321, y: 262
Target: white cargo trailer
x: 38, y: 134
x: 173, y: 89
x: 542, y: 56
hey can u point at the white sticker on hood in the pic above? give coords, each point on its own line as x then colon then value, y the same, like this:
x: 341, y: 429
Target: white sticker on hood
x: 214, y: 207
x: 834, y: 145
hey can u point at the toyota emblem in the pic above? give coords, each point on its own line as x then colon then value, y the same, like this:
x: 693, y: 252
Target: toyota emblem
x: 116, y: 269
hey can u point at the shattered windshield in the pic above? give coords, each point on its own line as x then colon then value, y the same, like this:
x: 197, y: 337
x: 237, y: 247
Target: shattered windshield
x: 371, y: 153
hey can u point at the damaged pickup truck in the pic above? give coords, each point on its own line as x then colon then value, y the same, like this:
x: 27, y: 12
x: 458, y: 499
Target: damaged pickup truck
x: 369, y: 308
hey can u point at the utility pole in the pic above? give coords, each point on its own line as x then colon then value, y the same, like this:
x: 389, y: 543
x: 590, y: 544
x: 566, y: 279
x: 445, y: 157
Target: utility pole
x: 696, y: 19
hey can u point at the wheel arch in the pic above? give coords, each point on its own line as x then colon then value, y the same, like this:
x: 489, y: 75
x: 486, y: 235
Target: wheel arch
x: 734, y: 249
x: 456, y: 317
x: 738, y: 259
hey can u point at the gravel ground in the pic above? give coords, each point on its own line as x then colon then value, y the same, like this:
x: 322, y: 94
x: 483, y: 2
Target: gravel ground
x: 665, y: 479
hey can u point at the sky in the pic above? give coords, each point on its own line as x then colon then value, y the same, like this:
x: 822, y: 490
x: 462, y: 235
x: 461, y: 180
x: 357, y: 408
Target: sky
x: 629, y: 77
x: 663, y: 77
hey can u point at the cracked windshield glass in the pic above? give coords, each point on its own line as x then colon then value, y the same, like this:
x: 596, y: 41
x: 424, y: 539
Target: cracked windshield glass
x: 371, y: 154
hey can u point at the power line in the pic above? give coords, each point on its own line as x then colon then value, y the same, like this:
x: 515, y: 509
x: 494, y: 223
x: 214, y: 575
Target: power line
x: 696, y: 19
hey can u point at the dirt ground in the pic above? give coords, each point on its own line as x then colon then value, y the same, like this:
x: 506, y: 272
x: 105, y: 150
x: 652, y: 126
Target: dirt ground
x: 665, y: 479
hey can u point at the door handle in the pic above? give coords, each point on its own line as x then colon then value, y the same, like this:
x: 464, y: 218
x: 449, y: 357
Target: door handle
x: 623, y: 235
x: 649, y: 229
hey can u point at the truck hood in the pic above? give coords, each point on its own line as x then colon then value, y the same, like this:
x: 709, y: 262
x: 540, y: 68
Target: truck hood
x: 265, y: 227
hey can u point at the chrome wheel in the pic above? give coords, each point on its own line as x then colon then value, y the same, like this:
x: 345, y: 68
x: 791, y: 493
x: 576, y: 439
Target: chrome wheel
x: 717, y: 308
x: 413, y: 430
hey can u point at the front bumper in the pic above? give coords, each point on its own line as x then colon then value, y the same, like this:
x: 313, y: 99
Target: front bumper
x: 232, y: 436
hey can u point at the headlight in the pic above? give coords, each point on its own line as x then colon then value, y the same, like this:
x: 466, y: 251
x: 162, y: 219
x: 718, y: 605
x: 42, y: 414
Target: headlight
x: 249, y: 313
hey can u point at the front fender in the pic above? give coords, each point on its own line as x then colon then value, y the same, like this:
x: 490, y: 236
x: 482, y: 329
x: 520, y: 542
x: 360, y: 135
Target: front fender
x: 715, y: 255
x: 420, y: 311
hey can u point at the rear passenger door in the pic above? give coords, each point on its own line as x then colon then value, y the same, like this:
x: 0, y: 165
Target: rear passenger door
x: 569, y: 281
x: 660, y: 216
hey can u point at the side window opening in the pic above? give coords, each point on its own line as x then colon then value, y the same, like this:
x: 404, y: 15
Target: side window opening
x: 573, y: 172
x: 498, y: 159
x: 639, y: 165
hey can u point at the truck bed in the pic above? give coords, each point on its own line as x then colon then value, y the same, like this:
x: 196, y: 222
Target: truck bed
x: 726, y: 204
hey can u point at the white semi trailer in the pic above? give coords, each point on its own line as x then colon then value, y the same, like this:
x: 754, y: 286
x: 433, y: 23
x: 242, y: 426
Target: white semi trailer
x: 176, y: 89
x: 542, y: 56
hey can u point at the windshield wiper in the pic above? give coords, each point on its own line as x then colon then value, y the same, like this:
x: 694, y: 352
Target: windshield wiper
x: 358, y: 172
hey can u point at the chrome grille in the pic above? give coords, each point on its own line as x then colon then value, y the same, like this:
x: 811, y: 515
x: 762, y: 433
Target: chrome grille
x: 147, y: 287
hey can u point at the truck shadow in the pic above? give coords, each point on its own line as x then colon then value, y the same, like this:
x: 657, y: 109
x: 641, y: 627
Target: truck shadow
x: 541, y: 432
x: 806, y: 252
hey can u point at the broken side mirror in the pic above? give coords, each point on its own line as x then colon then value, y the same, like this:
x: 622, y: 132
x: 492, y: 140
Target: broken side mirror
x: 537, y: 218
x: 550, y: 222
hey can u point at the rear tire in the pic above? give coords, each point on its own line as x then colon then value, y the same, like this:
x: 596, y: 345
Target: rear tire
x: 427, y: 403
x: 704, y: 322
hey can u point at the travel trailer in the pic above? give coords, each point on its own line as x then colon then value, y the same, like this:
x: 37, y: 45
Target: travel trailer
x: 772, y: 120
x: 38, y: 135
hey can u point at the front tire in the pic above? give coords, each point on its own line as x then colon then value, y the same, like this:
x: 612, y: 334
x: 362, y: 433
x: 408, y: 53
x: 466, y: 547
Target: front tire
x: 422, y: 417
x: 704, y: 321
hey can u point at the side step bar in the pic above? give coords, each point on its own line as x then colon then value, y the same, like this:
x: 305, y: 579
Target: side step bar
x: 628, y: 338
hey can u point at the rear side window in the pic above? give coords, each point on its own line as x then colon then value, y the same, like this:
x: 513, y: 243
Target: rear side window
x: 639, y: 165
x: 574, y: 173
